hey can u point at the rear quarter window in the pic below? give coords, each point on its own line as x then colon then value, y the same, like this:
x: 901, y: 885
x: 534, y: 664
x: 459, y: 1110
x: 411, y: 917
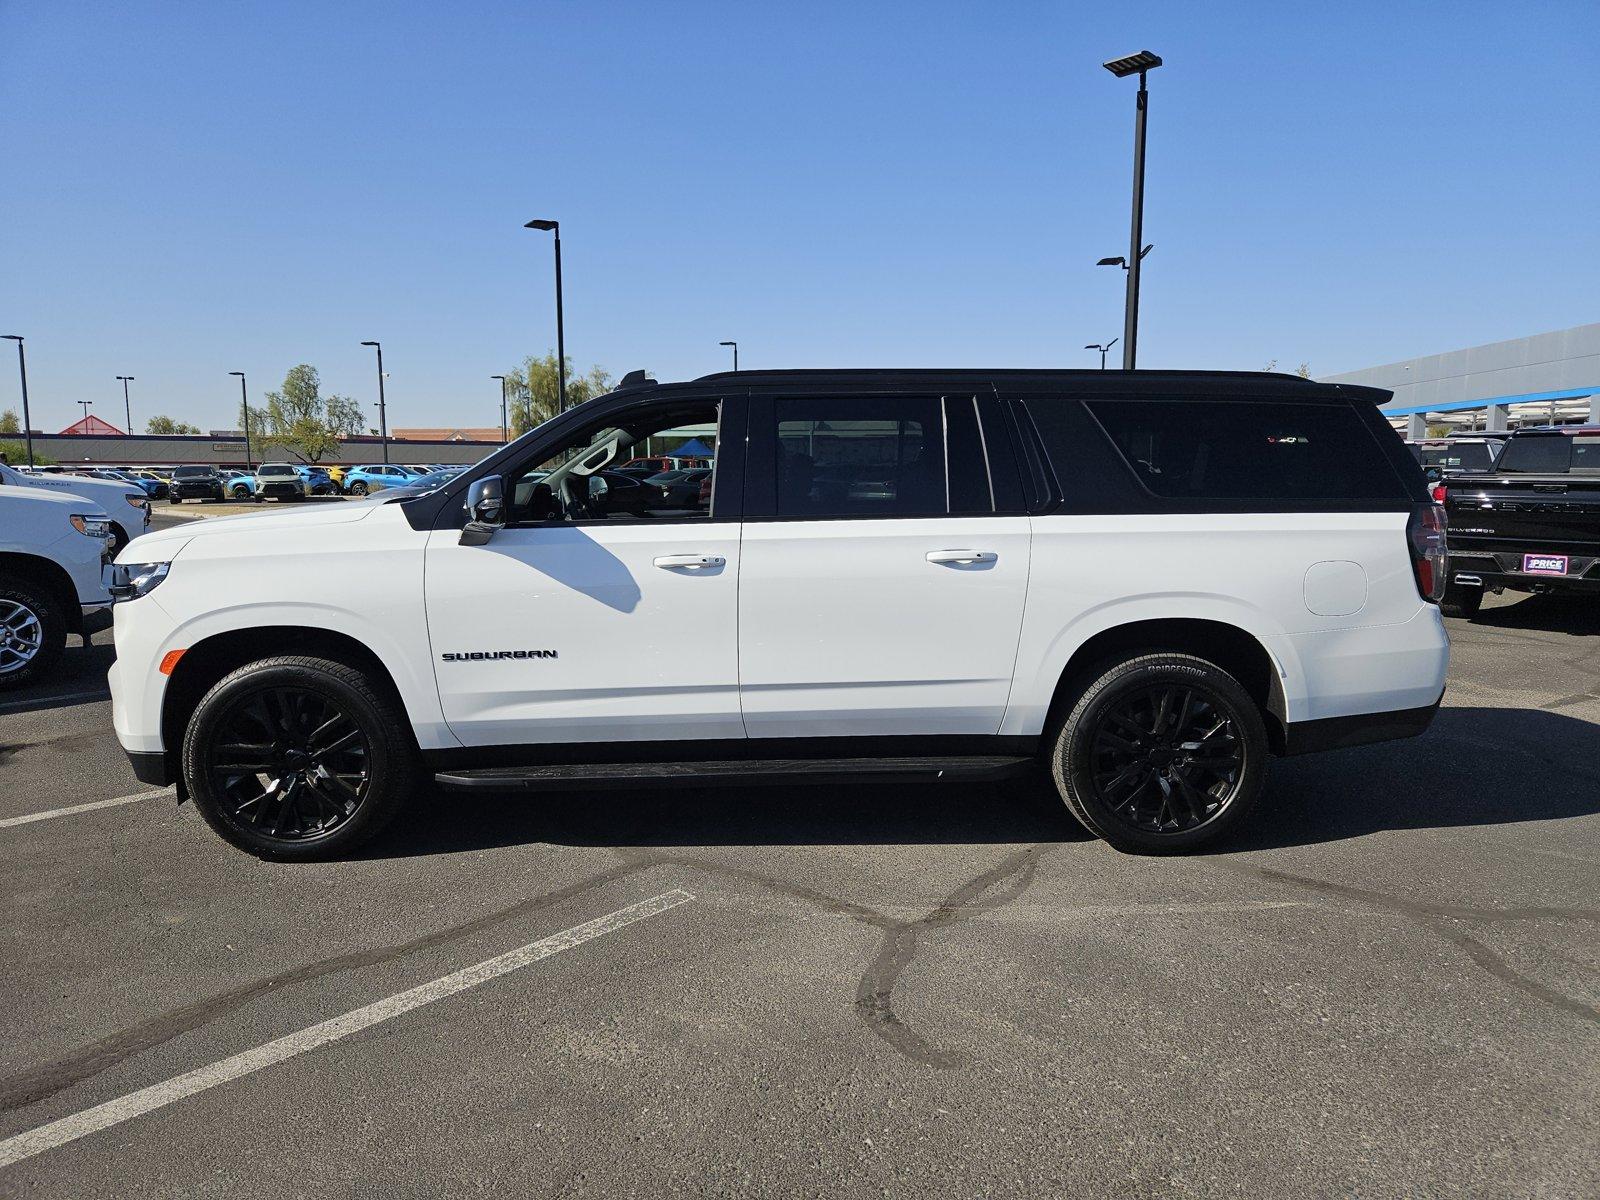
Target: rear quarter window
x: 1267, y: 451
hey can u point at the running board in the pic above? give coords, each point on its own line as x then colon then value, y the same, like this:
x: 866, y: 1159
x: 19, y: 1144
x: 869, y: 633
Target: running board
x: 737, y: 773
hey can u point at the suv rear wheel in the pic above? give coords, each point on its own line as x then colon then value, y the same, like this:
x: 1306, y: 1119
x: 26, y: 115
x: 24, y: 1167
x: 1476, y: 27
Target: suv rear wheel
x: 1161, y: 754
x: 33, y: 632
x: 298, y: 758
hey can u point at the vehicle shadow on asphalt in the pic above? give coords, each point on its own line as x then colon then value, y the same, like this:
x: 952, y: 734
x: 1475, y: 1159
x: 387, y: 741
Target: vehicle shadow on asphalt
x: 1475, y: 766
x: 1577, y: 615
x: 1011, y: 812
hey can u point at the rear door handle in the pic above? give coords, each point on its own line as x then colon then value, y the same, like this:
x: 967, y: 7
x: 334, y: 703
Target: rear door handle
x: 691, y: 561
x: 961, y: 556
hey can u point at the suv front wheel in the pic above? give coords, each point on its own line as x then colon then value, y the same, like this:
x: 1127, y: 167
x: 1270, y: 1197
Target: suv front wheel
x: 1161, y: 754
x: 298, y: 758
x: 33, y: 632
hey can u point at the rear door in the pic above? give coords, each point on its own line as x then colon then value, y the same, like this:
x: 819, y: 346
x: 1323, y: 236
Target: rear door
x: 883, y: 567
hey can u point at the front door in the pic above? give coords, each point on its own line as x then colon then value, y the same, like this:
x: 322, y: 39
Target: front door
x: 881, y: 585
x: 601, y: 612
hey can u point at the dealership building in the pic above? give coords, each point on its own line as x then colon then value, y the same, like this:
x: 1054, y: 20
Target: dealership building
x: 1549, y: 378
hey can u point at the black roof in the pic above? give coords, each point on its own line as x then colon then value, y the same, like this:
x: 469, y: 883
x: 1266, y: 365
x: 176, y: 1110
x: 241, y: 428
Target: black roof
x: 1174, y: 384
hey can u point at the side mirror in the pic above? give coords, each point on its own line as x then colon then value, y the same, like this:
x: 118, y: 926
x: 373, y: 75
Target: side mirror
x: 486, y: 507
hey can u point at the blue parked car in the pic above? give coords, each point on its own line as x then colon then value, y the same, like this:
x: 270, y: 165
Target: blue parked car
x: 363, y: 481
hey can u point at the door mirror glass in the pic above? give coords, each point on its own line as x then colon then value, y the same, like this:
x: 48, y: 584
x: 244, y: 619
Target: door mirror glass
x: 485, y: 510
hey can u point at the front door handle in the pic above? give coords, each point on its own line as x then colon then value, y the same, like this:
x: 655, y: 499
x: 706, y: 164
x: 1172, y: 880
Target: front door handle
x: 690, y: 561
x: 961, y: 556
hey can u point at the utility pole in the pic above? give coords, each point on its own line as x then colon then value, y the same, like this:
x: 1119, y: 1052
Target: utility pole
x: 27, y: 420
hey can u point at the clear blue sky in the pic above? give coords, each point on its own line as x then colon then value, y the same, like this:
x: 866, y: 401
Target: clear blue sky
x: 188, y: 189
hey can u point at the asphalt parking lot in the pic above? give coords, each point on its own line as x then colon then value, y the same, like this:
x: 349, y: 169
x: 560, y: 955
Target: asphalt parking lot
x: 1389, y: 985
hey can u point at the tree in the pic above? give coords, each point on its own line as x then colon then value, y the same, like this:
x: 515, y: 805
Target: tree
x: 17, y: 453
x: 532, y: 406
x: 9, y: 422
x: 166, y: 425
x: 345, y: 416
x: 300, y: 419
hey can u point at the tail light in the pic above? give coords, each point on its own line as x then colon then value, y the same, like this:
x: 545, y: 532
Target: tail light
x: 1440, y: 493
x: 1425, y: 536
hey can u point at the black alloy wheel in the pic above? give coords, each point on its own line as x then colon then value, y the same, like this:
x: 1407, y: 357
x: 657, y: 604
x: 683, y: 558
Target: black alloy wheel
x: 1166, y: 758
x: 1161, y: 753
x: 298, y: 757
x: 287, y: 762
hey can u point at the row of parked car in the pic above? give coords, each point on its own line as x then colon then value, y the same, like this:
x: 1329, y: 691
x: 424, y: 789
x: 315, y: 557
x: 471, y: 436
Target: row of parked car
x: 1523, y: 511
x: 266, y: 481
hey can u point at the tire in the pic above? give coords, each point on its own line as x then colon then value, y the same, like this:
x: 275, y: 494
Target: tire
x: 174, y: 500
x: 240, y: 492
x: 1461, y: 600
x: 358, y: 488
x: 278, y: 699
x: 33, y: 632
x: 1159, y: 795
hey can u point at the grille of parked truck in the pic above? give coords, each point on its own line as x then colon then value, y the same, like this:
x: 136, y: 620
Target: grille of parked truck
x: 1141, y: 584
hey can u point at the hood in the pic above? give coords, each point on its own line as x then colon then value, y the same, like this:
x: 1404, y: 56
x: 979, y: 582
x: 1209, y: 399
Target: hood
x: 66, y: 501
x: 106, y: 493
x: 161, y: 545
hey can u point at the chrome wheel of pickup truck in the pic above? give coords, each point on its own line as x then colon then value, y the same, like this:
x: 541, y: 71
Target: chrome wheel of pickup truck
x: 21, y: 635
x: 33, y: 632
x: 1161, y: 754
x: 296, y: 757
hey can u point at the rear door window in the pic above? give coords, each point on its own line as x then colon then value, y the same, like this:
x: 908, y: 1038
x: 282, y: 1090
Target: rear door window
x: 1231, y: 450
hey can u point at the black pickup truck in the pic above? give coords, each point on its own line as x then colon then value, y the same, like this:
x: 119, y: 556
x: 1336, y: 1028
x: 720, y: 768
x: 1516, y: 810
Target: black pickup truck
x: 1532, y: 524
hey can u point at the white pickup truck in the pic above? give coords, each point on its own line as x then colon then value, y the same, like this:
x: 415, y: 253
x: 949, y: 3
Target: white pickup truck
x: 52, y: 578
x: 125, y: 504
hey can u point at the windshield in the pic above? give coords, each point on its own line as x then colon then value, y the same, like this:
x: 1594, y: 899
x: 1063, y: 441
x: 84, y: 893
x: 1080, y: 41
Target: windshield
x: 194, y: 472
x: 276, y: 469
x: 1555, y: 454
x: 1458, y: 456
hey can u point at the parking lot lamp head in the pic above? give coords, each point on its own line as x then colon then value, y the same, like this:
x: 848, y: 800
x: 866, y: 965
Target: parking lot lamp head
x: 554, y: 227
x: 22, y: 366
x: 244, y: 407
x: 383, y: 411
x: 1133, y: 64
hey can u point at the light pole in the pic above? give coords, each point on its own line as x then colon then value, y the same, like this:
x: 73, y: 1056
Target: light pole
x: 127, y: 409
x: 505, y: 426
x: 244, y: 407
x: 383, y: 412
x: 85, y: 405
x: 1135, y: 64
x: 22, y: 365
x: 1102, y: 349
x: 561, y: 335
x: 735, y: 346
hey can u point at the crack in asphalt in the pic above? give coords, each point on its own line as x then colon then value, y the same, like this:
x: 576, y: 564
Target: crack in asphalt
x: 1432, y: 917
x: 877, y: 986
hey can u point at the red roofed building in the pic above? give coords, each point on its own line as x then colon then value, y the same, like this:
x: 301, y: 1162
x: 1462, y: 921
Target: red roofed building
x: 92, y: 426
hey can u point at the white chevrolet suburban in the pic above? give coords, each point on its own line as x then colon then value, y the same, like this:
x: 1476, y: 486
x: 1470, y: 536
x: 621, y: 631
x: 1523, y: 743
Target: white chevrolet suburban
x: 52, y: 578
x: 1146, y: 583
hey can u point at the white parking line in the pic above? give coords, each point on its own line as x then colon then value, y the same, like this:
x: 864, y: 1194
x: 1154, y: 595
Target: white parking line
x: 78, y: 808
x: 125, y: 1108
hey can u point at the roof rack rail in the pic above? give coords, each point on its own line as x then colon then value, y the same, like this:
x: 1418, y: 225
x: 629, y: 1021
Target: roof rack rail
x: 635, y: 379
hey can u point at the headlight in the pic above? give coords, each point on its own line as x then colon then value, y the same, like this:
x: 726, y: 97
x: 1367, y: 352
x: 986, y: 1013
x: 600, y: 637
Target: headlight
x: 97, y: 527
x: 129, y: 581
x: 136, y: 501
